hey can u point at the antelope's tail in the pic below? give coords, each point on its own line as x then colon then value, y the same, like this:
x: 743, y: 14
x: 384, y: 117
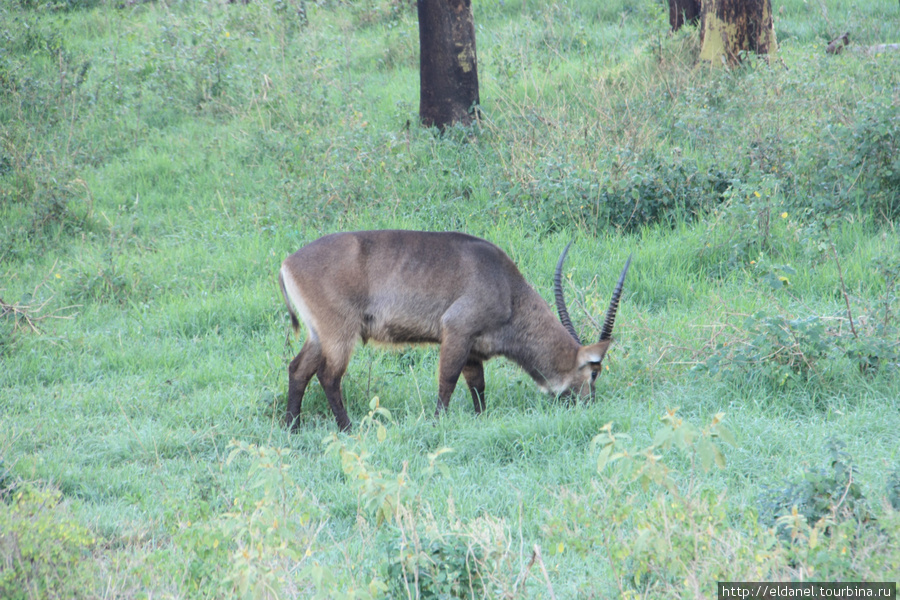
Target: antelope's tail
x: 295, y: 322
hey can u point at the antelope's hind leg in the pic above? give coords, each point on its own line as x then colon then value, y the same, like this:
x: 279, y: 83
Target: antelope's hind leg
x: 330, y: 372
x: 300, y: 371
x: 474, y: 374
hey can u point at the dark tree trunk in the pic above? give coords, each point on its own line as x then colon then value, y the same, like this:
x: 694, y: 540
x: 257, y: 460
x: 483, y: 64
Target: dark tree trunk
x: 683, y: 11
x: 448, y: 69
x: 731, y: 28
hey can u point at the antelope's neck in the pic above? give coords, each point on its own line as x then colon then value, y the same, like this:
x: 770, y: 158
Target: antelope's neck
x: 539, y: 343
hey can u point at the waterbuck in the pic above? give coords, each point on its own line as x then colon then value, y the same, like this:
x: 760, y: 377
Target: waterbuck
x: 410, y: 287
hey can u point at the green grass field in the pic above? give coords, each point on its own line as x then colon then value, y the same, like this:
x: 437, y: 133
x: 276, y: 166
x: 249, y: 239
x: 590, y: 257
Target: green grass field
x: 158, y: 161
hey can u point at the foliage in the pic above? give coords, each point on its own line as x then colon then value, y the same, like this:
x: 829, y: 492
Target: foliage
x: 628, y: 190
x: 751, y: 221
x: 782, y: 351
x: 828, y: 492
x: 38, y: 210
x: 252, y: 550
x: 863, y: 164
x: 680, y: 541
x: 429, y: 557
x: 838, y: 533
x: 444, y: 567
x: 57, y: 5
x: 645, y: 466
x: 421, y: 556
x: 380, y: 493
x: 893, y: 489
x: 785, y: 352
x: 44, y: 549
x: 835, y: 545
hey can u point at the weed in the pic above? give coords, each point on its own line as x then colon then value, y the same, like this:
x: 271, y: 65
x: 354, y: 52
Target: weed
x: 381, y: 494
x: 630, y: 191
x: 893, y: 489
x: 682, y: 538
x: 269, y: 530
x: 865, y: 156
x: 780, y: 350
x: 44, y: 548
x: 437, y: 567
x: 829, y: 492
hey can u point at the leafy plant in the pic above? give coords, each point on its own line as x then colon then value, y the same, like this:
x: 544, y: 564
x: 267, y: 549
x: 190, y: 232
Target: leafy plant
x: 665, y: 545
x: 44, y: 549
x: 821, y: 493
x: 421, y: 562
x: 750, y: 222
x: 783, y: 351
x: 381, y: 493
x: 628, y: 190
x: 646, y: 466
x: 866, y: 156
x: 875, y: 346
x: 893, y: 488
x: 677, y: 541
x: 253, y: 549
x: 434, y: 568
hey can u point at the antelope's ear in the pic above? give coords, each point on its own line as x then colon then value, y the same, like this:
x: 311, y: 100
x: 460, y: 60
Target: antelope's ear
x: 592, y: 354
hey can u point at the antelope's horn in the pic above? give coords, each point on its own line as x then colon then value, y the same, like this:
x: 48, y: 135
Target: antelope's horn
x: 606, y: 332
x: 560, y: 300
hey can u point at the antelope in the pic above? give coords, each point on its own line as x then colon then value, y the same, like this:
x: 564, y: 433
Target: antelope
x: 464, y: 293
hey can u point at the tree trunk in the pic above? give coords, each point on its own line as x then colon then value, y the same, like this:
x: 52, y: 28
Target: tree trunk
x: 730, y: 28
x: 448, y: 69
x: 683, y: 11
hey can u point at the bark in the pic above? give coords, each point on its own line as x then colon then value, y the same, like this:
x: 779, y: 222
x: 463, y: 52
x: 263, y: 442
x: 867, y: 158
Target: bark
x: 731, y: 28
x: 683, y: 11
x: 448, y: 68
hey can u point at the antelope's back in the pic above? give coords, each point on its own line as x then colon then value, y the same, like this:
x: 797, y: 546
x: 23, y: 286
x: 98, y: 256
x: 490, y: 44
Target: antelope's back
x: 396, y: 286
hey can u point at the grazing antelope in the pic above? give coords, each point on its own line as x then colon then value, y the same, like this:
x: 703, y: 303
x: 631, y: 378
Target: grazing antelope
x: 411, y: 287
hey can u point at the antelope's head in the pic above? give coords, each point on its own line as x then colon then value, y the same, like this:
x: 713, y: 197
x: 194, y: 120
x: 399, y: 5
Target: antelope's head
x: 580, y: 382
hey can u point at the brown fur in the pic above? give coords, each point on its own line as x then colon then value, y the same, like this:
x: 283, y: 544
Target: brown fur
x: 410, y: 287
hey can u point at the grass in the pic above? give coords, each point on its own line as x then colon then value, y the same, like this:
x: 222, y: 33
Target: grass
x: 159, y: 160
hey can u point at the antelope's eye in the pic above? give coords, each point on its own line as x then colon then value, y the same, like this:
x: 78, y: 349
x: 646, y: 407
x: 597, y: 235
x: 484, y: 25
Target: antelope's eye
x: 594, y: 375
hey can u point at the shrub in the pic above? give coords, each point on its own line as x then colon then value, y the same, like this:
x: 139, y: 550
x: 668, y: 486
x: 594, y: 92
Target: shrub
x: 629, y: 190
x: 821, y: 493
x: 44, y: 549
x: 863, y: 164
x: 253, y: 549
x: 782, y: 351
x: 436, y: 568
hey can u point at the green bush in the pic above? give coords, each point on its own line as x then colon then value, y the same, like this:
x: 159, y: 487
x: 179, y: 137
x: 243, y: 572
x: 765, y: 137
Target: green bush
x: 436, y: 568
x: 680, y: 540
x: 45, y: 551
x: 628, y: 190
x: 254, y: 549
x: 860, y: 169
x: 779, y: 350
x: 821, y: 493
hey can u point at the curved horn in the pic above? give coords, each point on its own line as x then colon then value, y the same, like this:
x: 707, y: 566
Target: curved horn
x: 606, y: 332
x: 560, y: 300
